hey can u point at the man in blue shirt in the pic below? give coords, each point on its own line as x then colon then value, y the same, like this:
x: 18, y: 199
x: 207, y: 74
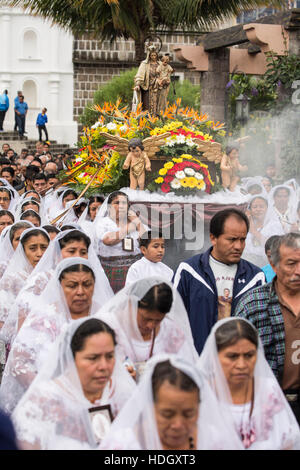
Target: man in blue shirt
x: 41, y: 123
x: 21, y: 109
x: 16, y: 101
x: 4, y: 105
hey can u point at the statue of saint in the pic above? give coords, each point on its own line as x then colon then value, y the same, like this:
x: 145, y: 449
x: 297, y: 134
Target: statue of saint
x: 164, y: 71
x: 146, y: 85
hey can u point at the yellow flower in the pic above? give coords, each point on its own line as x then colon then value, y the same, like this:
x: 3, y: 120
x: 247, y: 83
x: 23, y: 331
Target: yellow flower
x: 163, y: 171
x: 159, y: 180
x: 184, y: 182
x: 192, y: 182
x: 169, y: 165
x: 177, y: 160
x: 200, y: 184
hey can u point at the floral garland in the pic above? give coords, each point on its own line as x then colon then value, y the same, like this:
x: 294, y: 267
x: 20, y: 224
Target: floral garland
x: 184, y: 175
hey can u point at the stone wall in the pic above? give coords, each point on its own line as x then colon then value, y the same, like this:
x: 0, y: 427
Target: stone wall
x: 95, y: 63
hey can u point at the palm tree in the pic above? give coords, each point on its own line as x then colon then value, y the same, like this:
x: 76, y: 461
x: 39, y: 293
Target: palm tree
x: 136, y: 19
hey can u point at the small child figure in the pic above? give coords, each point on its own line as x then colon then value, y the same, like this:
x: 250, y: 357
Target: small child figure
x: 230, y: 167
x: 137, y: 160
x: 164, y: 72
x: 152, y: 246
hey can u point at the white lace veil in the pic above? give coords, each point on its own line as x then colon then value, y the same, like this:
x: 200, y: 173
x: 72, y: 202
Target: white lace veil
x: 135, y: 427
x: 121, y: 314
x: 268, y: 396
x: 14, y: 194
x: 56, y: 397
x: 6, y: 248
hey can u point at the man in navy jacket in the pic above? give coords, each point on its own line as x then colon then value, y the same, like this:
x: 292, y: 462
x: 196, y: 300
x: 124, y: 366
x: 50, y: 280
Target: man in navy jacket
x: 212, y: 283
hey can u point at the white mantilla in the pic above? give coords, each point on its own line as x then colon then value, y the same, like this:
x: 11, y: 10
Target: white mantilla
x: 37, y: 59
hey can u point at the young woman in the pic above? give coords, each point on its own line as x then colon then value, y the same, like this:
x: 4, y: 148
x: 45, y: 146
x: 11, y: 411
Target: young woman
x: 6, y: 219
x: 252, y: 401
x: 82, y: 372
x: 117, y: 230
x: 9, y: 241
x: 33, y: 244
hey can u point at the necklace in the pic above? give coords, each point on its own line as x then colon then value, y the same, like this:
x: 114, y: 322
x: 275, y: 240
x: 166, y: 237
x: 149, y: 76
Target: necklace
x: 247, y: 434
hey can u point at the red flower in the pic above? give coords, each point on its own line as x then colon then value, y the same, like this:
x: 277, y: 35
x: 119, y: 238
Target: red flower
x: 165, y: 188
x: 168, y: 178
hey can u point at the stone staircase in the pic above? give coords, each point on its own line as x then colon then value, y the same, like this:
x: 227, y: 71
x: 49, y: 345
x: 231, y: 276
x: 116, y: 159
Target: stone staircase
x: 12, y: 138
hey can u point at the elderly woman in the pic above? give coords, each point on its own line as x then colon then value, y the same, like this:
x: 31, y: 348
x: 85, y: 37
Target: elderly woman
x: 252, y: 401
x: 73, y: 292
x: 81, y: 374
x: 149, y: 318
x: 172, y: 408
x: 117, y: 230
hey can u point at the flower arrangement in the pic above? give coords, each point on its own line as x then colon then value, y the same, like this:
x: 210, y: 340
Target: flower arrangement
x: 183, y: 125
x: 185, y: 175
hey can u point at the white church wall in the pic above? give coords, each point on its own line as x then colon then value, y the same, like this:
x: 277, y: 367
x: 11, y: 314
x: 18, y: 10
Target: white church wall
x: 37, y: 59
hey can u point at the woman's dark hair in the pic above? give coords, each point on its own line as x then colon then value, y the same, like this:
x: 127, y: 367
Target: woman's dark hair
x: 146, y: 238
x: 34, y: 233
x: 5, y: 212
x: 75, y: 235
x: 3, y: 189
x: 68, y: 192
x: 159, y: 297
x: 114, y: 196
x: 32, y: 213
x: 254, y: 186
x: 90, y: 327
x: 133, y: 143
x: 232, y: 331
x: 92, y: 199
x: 28, y: 202
x: 76, y: 268
x: 32, y: 191
x: 217, y: 222
x: 258, y: 197
x: 16, y: 227
x: 165, y: 372
x: 51, y: 229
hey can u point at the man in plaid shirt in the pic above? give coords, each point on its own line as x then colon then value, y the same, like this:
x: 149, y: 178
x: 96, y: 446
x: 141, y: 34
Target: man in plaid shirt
x: 274, y: 309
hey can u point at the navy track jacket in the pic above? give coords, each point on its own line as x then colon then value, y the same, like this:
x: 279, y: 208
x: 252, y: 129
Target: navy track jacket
x: 196, y: 284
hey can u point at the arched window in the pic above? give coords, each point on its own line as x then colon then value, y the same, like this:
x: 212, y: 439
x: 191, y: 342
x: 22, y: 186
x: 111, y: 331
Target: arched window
x: 30, y: 48
x: 30, y: 93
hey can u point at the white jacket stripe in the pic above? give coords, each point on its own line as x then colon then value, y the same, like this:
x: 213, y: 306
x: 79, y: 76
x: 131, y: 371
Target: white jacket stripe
x: 192, y: 272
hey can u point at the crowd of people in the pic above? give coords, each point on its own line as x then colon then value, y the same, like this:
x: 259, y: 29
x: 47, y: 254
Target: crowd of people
x: 103, y: 346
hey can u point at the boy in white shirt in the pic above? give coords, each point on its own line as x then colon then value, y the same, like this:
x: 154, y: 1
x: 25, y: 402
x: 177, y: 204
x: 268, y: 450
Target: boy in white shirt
x: 153, y: 250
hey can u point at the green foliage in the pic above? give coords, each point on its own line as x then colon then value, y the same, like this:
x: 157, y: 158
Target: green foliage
x: 189, y: 94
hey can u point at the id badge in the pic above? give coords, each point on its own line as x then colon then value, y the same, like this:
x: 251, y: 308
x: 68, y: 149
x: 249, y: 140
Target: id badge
x: 128, y: 244
x: 101, y: 418
x: 140, y: 369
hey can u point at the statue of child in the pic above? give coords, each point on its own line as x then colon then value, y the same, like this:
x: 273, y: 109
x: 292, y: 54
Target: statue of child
x: 137, y: 160
x: 230, y: 168
x: 164, y: 72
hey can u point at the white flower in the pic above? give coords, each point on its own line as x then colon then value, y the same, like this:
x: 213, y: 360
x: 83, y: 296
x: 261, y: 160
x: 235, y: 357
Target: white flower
x: 175, y: 184
x: 199, y: 176
x: 170, y: 142
x: 179, y: 175
x: 189, y: 171
x: 123, y: 128
x: 97, y: 124
x: 190, y: 143
x: 111, y: 126
x: 180, y: 139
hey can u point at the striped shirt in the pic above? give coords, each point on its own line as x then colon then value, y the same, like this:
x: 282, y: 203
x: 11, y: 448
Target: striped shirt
x: 262, y: 308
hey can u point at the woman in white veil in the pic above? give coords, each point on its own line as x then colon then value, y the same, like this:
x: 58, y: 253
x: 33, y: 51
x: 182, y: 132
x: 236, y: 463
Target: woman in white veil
x: 9, y: 240
x: 283, y: 206
x: 251, y: 399
x: 149, y: 318
x: 172, y: 408
x: 73, y: 292
x: 20, y: 267
x: 65, y: 390
x: 69, y: 243
x: 260, y: 230
x: 58, y: 203
x: 14, y: 193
